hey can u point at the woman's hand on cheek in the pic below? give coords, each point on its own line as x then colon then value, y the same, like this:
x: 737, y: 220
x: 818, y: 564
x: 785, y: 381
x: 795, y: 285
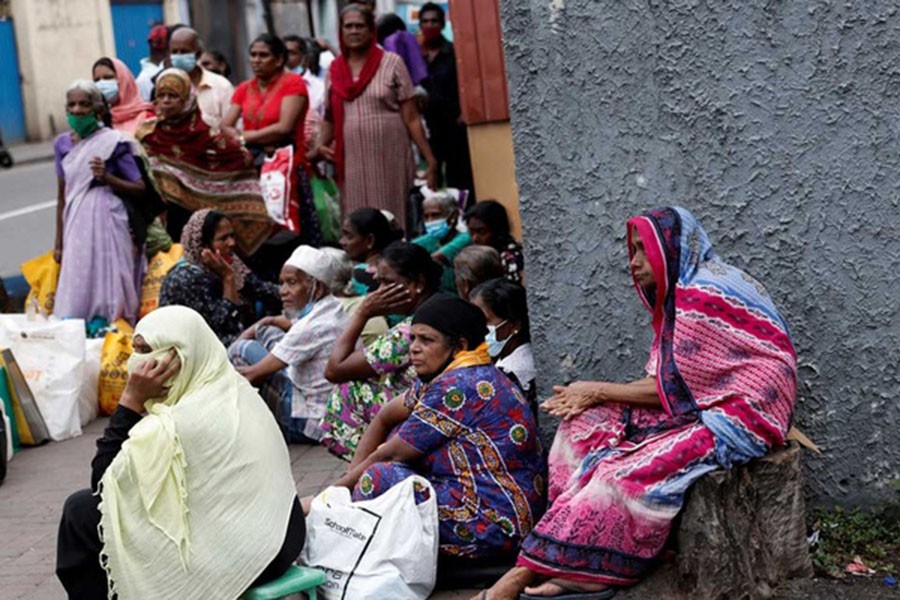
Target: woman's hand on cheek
x: 149, y: 381
x: 386, y: 300
x: 215, y: 263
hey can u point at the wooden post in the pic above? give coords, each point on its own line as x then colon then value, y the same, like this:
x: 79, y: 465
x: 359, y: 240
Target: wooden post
x: 484, y: 97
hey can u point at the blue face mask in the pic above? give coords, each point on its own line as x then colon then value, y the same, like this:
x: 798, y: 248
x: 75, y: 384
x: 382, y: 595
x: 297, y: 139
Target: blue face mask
x: 109, y: 88
x: 299, y: 70
x: 309, y: 304
x: 437, y: 229
x: 185, y: 62
x: 306, y: 310
x: 494, y: 346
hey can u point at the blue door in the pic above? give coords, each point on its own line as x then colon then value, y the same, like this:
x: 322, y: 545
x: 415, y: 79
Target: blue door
x: 131, y: 26
x: 12, y: 116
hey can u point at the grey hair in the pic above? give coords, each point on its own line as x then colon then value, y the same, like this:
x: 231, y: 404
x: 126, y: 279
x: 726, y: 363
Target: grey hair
x: 446, y: 200
x: 477, y: 264
x: 342, y: 273
x: 90, y: 88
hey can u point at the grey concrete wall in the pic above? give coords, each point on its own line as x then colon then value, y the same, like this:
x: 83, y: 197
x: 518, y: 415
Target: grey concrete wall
x: 776, y: 123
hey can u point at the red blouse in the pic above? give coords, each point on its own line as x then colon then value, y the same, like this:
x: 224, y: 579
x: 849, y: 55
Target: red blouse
x: 261, y: 109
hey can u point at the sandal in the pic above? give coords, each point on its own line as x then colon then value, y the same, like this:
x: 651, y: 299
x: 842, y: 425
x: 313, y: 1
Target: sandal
x: 572, y: 593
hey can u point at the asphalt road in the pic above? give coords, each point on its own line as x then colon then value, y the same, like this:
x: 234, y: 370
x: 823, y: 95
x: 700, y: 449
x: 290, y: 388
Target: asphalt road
x: 27, y: 212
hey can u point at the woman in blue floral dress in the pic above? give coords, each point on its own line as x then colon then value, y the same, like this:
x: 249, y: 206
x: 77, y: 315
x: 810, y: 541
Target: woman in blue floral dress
x: 466, y: 428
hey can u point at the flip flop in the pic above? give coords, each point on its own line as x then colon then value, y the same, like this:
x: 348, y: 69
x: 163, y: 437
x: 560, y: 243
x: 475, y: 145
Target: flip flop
x: 570, y: 593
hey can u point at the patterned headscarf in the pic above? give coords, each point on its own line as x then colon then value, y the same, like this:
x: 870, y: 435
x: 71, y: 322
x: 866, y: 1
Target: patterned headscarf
x: 192, y: 241
x: 730, y: 360
x: 174, y: 80
x: 131, y: 111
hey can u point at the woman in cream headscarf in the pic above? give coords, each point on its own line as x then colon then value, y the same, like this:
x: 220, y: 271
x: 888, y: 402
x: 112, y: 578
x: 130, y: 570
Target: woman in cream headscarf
x: 193, y: 500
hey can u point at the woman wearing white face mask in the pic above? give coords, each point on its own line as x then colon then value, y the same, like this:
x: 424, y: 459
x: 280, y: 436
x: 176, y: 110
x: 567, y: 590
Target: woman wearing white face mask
x: 442, y: 239
x: 509, y: 339
x: 118, y: 86
x: 287, y: 355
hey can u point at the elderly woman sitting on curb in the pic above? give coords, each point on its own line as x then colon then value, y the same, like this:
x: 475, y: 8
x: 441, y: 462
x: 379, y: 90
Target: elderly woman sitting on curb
x: 720, y: 388
x: 288, y: 354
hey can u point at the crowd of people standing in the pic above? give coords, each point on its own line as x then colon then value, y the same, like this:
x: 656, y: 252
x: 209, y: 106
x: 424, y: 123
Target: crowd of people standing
x: 401, y: 345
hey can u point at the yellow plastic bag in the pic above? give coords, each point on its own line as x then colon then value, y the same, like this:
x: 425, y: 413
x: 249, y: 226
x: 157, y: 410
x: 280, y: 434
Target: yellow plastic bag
x: 117, y: 349
x: 157, y: 269
x: 42, y: 274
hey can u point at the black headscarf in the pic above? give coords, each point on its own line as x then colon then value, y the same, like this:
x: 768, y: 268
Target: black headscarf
x: 453, y: 317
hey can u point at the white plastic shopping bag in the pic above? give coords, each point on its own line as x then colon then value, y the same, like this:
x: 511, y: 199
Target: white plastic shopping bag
x: 381, y: 548
x: 275, y: 181
x: 88, y: 398
x: 51, y: 356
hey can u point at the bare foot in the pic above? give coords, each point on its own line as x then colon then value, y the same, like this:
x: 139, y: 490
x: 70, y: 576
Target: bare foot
x: 557, y: 587
x: 509, y: 586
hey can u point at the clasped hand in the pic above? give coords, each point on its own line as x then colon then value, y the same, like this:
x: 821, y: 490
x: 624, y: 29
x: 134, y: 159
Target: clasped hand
x: 571, y: 400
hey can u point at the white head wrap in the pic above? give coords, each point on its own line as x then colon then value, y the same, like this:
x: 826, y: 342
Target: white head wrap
x: 317, y: 264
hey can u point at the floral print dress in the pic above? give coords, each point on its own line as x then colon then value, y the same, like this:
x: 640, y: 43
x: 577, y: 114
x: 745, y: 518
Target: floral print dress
x: 354, y: 404
x: 481, y: 453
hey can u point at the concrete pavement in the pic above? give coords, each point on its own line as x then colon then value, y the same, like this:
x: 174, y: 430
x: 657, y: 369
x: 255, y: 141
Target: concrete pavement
x: 39, y: 480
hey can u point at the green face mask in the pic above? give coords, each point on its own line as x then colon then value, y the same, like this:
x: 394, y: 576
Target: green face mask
x: 83, y: 125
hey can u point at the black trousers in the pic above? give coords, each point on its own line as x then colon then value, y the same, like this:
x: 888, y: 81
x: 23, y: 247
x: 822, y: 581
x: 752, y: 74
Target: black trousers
x: 450, y: 145
x: 78, y: 548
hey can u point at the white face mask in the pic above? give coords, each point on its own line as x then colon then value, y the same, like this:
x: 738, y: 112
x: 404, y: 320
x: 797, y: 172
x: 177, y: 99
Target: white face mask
x: 495, y: 346
x: 109, y: 88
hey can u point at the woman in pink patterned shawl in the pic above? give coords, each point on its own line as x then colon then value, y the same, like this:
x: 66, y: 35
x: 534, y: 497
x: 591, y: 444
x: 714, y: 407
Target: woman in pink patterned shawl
x: 719, y: 390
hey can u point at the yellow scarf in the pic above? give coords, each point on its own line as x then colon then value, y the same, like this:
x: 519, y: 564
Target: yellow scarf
x: 197, y: 502
x: 470, y: 358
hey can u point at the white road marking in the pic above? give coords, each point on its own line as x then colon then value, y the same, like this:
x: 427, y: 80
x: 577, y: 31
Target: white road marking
x: 27, y: 210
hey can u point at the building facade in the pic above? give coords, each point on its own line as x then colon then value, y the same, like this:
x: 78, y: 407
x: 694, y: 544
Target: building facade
x: 58, y: 42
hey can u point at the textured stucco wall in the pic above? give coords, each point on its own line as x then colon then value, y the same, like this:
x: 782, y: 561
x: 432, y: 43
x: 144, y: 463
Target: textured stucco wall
x: 777, y: 124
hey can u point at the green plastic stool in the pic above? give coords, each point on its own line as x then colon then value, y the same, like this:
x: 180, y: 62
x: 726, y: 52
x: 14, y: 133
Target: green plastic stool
x: 295, y: 580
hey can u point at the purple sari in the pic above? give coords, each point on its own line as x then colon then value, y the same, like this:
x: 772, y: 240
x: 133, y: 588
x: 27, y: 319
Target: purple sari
x: 101, y: 269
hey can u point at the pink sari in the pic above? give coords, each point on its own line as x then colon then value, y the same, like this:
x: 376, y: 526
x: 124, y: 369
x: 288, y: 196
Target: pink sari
x: 726, y: 377
x: 130, y: 111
